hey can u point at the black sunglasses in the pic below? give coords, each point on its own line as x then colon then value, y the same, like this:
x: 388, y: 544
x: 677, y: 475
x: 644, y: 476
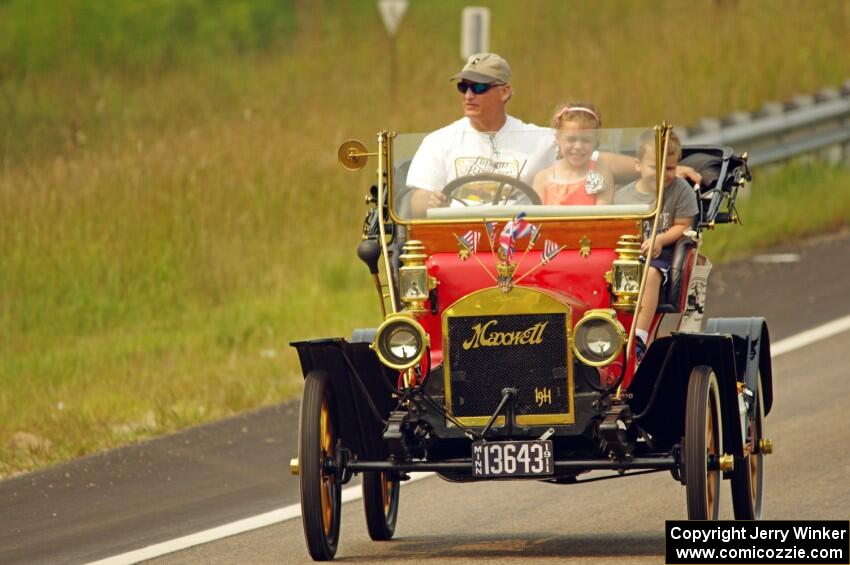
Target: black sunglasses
x: 477, y: 87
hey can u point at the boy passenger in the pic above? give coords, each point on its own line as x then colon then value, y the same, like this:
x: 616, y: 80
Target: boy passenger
x: 677, y: 215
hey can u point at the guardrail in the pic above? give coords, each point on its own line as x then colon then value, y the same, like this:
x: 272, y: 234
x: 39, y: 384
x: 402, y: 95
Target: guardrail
x: 804, y: 125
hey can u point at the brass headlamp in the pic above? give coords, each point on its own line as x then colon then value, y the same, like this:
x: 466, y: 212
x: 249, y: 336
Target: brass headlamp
x: 598, y: 337
x: 400, y: 341
x: 625, y: 274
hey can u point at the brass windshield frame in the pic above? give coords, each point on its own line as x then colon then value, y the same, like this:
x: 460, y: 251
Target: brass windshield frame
x: 477, y: 221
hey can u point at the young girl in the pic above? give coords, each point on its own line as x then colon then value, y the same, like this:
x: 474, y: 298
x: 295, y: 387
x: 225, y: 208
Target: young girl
x: 576, y: 177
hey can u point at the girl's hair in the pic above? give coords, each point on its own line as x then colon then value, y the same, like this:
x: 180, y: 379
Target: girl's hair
x: 583, y: 112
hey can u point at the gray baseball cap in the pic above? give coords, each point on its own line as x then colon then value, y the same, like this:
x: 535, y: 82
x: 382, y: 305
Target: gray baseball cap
x: 485, y: 67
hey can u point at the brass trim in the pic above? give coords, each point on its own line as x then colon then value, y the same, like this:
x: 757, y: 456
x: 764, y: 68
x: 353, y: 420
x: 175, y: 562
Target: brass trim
x: 385, y: 163
x: 542, y: 220
x: 417, y: 327
x: 765, y: 446
x: 522, y: 301
x: 294, y: 466
x: 726, y: 462
x: 522, y: 420
x: 609, y: 316
x: 585, y: 246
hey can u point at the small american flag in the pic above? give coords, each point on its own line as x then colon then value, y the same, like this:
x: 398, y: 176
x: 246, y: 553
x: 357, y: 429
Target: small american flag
x: 535, y: 234
x: 491, y: 233
x: 470, y: 239
x: 550, y: 250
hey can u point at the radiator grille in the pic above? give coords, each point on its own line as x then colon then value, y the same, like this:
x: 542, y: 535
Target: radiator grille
x: 528, y: 352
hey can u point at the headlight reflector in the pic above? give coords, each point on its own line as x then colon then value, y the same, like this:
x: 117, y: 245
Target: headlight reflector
x: 598, y: 338
x: 400, y: 342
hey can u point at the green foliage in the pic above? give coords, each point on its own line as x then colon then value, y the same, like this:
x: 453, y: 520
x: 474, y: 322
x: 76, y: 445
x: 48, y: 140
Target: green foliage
x: 172, y: 214
x: 801, y: 199
x: 135, y: 35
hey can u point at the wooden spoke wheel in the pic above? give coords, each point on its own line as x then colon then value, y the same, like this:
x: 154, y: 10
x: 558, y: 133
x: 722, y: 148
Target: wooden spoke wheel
x: 380, y: 501
x: 321, y: 492
x: 748, y: 478
x: 703, y: 445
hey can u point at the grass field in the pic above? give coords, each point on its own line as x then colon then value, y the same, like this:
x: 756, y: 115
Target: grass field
x: 171, y: 210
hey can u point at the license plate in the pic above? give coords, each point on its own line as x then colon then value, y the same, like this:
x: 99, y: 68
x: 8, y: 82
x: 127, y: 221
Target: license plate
x: 512, y: 458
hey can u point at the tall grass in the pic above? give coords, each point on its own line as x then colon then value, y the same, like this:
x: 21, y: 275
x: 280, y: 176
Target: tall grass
x: 171, y: 210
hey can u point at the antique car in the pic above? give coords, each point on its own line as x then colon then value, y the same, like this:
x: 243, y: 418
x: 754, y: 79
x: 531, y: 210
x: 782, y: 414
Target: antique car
x: 507, y: 348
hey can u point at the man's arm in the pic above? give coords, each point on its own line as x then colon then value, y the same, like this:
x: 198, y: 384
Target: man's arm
x: 421, y: 200
x: 623, y: 168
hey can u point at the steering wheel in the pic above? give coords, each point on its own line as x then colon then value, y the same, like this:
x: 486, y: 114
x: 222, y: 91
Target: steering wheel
x: 509, y: 188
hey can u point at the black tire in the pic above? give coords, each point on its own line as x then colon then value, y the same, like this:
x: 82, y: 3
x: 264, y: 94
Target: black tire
x: 703, y: 445
x: 748, y: 476
x: 380, y: 501
x: 321, y: 492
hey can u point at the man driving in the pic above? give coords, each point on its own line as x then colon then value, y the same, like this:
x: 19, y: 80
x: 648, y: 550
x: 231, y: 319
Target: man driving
x: 485, y: 140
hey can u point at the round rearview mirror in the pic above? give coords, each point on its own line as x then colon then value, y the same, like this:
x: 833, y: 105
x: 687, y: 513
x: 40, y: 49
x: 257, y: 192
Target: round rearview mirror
x: 352, y: 155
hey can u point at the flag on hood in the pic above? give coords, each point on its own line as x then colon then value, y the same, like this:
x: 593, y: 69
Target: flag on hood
x: 513, y: 230
x: 491, y: 233
x: 470, y: 239
x: 550, y: 250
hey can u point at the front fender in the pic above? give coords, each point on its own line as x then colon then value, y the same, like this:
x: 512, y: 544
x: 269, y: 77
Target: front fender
x: 658, y: 393
x: 361, y: 386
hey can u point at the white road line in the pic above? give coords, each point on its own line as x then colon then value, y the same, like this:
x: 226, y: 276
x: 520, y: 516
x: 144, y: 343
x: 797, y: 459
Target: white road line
x: 355, y: 493
x: 239, y: 527
x: 810, y: 336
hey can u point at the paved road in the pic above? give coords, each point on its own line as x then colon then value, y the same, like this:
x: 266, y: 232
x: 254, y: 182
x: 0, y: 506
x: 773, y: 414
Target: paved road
x: 131, y: 498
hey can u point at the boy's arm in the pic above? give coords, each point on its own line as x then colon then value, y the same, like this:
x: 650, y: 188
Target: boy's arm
x: 671, y: 236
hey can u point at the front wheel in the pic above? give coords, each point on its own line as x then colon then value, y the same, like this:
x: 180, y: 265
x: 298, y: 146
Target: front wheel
x: 321, y: 491
x: 748, y: 478
x: 380, y: 501
x: 702, y: 446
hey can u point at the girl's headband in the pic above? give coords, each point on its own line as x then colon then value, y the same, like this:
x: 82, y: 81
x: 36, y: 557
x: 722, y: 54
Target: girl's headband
x: 566, y: 109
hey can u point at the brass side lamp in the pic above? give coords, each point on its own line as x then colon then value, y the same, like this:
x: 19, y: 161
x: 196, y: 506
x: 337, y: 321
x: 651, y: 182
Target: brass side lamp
x: 414, y: 282
x: 625, y: 274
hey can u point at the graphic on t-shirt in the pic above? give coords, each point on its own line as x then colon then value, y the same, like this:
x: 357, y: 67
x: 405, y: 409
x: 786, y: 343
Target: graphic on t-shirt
x: 663, y: 225
x: 466, y: 166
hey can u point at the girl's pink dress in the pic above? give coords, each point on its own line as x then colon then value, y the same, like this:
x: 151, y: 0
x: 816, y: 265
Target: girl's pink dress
x: 567, y: 193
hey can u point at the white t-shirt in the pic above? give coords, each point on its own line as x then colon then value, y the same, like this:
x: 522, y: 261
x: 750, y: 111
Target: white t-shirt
x: 459, y: 149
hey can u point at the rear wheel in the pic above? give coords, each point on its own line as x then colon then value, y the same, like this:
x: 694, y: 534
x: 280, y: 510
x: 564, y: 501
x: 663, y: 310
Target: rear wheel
x: 380, y: 500
x: 702, y: 445
x: 321, y: 492
x: 748, y: 478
